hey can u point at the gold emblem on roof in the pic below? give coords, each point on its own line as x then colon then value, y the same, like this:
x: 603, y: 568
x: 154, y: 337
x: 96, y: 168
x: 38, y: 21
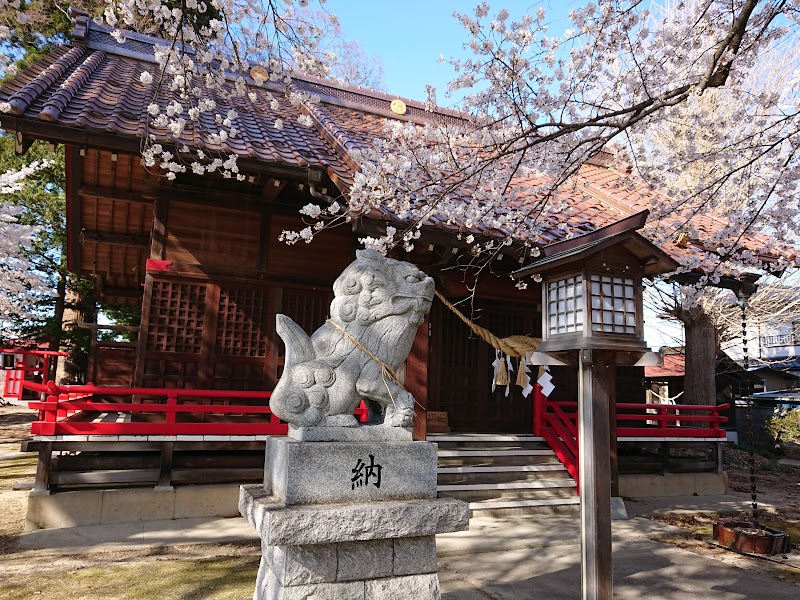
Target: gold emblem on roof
x: 259, y: 73
x: 398, y: 106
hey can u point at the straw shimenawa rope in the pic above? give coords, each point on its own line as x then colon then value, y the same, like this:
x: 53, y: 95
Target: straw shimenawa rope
x: 514, y: 345
x: 386, y: 369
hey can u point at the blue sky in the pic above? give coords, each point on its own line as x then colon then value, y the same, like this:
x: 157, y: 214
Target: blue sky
x: 409, y: 36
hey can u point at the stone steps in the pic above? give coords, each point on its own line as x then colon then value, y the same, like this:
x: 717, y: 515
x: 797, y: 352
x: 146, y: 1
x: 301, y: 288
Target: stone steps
x: 503, y: 474
x: 520, y: 506
x: 500, y: 473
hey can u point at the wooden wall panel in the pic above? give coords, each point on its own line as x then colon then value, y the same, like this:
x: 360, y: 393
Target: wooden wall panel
x: 322, y: 260
x: 214, y: 237
x: 175, y: 321
x: 220, y: 334
x: 113, y: 365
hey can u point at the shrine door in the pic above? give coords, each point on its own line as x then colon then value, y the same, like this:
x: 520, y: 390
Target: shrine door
x: 460, y: 369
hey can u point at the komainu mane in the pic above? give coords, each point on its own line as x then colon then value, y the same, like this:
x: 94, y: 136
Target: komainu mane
x: 380, y: 302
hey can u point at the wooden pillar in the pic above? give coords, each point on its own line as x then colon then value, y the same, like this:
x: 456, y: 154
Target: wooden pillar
x: 611, y: 371
x: 208, y: 341
x: 43, y: 466
x: 165, y: 471
x: 595, y: 476
x: 158, y: 236
x: 416, y: 381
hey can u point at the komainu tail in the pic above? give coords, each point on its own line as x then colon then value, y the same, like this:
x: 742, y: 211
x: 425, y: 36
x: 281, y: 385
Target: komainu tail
x: 297, y: 398
x: 298, y: 344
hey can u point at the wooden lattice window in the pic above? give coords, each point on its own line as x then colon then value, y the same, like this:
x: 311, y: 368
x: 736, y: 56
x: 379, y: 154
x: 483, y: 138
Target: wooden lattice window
x: 613, y: 304
x: 176, y: 317
x: 565, y: 305
x: 307, y: 308
x: 241, y: 326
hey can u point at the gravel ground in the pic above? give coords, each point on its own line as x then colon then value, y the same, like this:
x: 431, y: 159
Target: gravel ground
x: 116, y: 575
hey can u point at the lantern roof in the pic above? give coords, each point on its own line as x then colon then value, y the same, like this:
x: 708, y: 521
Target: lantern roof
x: 622, y: 233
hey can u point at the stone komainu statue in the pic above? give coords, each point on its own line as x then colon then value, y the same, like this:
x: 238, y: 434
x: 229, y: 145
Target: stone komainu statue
x: 381, y: 303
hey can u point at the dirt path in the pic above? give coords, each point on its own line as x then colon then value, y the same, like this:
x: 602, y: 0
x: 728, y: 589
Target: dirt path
x: 776, y: 485
x: 15, y: 426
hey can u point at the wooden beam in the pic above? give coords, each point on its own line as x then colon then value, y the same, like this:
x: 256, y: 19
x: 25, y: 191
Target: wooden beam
x: 105, y: 193
x: 118, y: 292
x: 95, y: 327
x: 595, y: 475
x: 116, y: 239
x: 22, y: 143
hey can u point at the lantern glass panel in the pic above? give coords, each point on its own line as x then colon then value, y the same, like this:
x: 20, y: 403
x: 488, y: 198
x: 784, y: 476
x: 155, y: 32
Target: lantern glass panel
x: 613, y: 304
x: 565, y: 305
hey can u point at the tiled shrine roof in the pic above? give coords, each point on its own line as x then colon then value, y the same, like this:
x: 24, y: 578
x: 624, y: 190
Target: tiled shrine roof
x: 93, y: 87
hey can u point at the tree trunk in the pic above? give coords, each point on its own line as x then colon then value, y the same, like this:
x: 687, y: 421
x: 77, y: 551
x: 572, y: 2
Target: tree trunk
x: 701, y: 357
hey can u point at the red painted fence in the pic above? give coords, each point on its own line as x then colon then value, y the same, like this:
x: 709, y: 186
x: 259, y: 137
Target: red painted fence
x: 557, y: 422
x: 78, y: 410
x: 34, y: 364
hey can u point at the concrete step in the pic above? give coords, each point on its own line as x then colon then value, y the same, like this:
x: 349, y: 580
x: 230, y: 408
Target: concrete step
x: 502, y: 469
x: 494, y: 493
x: 497, y: 461
x: 484, y: 457
x: 491, y: 452
x: 500, y: 474
x: 488, y: 441
x: 523, y: 506
x: 483, y: 437
x: 503, y: 474
x: 515, y: 485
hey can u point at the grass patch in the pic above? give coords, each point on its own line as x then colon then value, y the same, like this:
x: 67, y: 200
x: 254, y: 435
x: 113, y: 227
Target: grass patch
x: 792, y: 528
x: 223, y: 578
x: 13, y: 469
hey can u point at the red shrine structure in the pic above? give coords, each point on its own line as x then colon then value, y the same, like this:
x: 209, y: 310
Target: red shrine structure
x: 188, y: 401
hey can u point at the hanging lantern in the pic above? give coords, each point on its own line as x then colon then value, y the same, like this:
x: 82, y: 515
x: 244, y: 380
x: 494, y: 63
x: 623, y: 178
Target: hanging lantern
x: 592, y: 289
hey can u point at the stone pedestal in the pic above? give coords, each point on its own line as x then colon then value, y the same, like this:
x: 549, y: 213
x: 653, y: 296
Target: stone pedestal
x: 349, y: 520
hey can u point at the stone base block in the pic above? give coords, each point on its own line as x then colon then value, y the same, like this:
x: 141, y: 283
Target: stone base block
x: 98, y: 507
x: 419, y: 587
x: 269, y: 588
x: 278, y: 524
x: 416, y: 587
x: 362, y: 433
x: 338, y: 472
x: 350, y: 561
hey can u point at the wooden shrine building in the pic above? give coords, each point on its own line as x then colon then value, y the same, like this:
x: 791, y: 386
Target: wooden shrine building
x: 201, y: 256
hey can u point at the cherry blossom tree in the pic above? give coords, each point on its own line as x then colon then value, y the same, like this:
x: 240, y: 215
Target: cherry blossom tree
x: 727, y: 169
x: 21, y: 287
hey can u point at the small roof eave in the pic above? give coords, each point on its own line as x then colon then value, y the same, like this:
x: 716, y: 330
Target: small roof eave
x: 623, y: 232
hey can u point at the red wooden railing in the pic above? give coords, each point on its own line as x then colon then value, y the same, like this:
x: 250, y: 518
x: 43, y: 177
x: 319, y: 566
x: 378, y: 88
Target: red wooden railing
x: 671, y: 420
x: 557, y: 422
x: 73, y: 410
x: 16, y: 376
x: 558, y: 429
